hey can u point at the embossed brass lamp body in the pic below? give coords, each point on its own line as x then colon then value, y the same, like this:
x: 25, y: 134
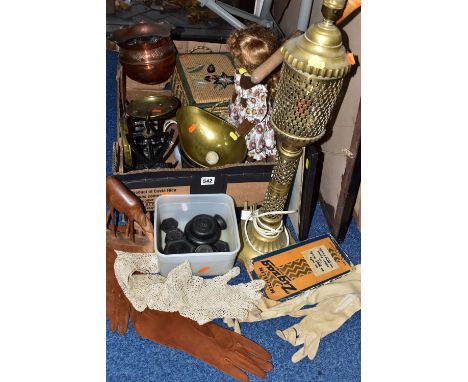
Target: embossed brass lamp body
x: 314, y: 65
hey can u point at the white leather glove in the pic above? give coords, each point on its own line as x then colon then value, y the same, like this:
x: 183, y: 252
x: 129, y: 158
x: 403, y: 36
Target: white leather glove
x: 347, y: 284
x: 266, y: 309
x: 321, y: 320
x: 199, y: 299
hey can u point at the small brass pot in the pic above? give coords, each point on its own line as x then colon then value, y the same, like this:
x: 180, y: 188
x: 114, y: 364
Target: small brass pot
x: 146, y: 62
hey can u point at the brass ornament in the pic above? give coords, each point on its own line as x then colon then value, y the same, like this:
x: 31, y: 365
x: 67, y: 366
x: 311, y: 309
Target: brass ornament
x: 153, y: 106
x: 127, y: 151
x: 207, y: 140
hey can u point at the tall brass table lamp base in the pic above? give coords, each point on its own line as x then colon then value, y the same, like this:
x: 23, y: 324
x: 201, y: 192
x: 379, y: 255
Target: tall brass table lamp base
x: 314, y: 66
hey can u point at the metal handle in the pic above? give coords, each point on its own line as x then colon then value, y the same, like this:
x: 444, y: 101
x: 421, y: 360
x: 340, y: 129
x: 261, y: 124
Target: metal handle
x: 216, y: 105
x: 202, y: 48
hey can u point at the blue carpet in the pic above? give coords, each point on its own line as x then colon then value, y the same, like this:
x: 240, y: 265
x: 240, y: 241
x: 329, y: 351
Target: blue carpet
x: 132, y: 358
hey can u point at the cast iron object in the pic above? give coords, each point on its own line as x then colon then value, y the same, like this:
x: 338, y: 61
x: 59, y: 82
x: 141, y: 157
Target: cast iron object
x: 150, y: 148
x: 221, y: 222
x: 174, y: 234
x: 204, y: 248
x: 202, y: 229
x: 179, y: 246
x: 169, y: 224
x: 147, y: 143
x: 221, y: 246
x: 204, y: 136
x: 145, y: 61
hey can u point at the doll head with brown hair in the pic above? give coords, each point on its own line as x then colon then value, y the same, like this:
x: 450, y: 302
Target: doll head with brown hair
x: 250, y: 47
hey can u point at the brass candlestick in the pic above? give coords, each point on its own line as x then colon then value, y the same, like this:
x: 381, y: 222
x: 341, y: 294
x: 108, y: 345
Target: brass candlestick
x: 314, y: 65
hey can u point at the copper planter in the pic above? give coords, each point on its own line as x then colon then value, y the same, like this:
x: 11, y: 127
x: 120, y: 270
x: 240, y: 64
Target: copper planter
x: 146, y: 62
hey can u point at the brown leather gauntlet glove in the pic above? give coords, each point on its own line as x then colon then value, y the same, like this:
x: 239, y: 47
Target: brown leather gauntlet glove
x: 228, y: 351
x: 117, y: 305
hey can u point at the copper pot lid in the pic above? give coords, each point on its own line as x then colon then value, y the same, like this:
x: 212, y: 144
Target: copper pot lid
x: 140, y: 31
x: 156, y: 107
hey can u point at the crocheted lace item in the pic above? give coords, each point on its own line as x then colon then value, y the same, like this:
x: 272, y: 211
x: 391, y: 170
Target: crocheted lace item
x: 199, y: 299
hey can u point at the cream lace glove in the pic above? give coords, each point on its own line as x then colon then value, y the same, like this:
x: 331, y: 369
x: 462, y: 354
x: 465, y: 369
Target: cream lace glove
x: 199, y: 299
x: 321, y: 320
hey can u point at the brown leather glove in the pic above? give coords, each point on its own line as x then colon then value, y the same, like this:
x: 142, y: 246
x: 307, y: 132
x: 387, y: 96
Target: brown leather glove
x: 228, y: 351
x: 117, y: 305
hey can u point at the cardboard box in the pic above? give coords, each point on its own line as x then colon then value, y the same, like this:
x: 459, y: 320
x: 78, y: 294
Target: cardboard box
x: 245, y: 183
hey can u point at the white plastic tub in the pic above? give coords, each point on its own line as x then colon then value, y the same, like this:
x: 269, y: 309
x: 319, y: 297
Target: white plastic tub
x: 185, y: 207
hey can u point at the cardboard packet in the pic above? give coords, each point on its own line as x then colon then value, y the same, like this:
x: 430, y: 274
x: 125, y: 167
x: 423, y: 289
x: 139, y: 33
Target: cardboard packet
x: 294, y: 269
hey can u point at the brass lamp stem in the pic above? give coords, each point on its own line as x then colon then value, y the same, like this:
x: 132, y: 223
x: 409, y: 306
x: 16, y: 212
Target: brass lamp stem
x: 281, y: 178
